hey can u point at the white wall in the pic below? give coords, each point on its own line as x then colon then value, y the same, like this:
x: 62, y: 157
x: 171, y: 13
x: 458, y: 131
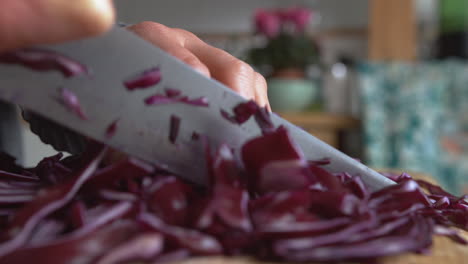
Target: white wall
x: 227, y: 16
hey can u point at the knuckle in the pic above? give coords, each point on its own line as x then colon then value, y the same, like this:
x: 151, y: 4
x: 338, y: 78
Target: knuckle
x: 146, y: 26
x: 241, y: 67
x: 261, y: 81
x: 187, y: 36
x: 94, y: 21
x: 185, y: 33
x: 190, y: 59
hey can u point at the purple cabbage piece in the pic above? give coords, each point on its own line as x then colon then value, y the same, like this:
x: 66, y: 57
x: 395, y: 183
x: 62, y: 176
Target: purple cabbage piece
x: 320, y: 162
x: 272, y: 204
x: 143, y: 80
x: 168, y: 198
x: 127, y: 168
x: 173, y: 97
x: 77, y: 214
x: 112, y: 128
x: 159, y: 99
x: 230, y: 199
x: 275, y: 163
x: 74, y: 249
x: 142, y: 247
x: 200, y: 101
x: 46, y: 231
x: 417, y: 236
x: 17, y: 177
x: 195, y: 241
x: 14, y: 199
x: 46, y: 203
x: 244, y: 111
x: 51, y: 170
x: 68, y: 99
x: 172, y: 93
x: 174, y: 128
x: 44, y: 60
x: 112, y: 195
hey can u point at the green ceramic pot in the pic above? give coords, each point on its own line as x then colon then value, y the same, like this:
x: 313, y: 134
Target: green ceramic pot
x: 291, y: 94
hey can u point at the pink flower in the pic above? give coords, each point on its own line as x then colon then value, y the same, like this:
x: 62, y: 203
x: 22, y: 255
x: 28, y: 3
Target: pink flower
x: 300, y: 17
x: 284, y: 14
x: 267, y: 23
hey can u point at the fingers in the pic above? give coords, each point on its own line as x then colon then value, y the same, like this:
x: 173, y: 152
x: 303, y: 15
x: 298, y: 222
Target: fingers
x: 225, y: 68
x: 211, y: 61
x: 234, y: 73
x: 29, y: 22
x: 261, y: 96
x: 170, y: 41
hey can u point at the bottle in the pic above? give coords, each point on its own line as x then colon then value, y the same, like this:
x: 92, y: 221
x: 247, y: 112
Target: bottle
x: 453, y: 27
x: 340, y: 88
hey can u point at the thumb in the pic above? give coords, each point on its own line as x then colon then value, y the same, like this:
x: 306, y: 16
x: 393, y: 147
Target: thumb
x: 29, y: 22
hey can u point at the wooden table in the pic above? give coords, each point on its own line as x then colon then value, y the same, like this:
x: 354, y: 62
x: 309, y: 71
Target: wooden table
x: 325, y: 126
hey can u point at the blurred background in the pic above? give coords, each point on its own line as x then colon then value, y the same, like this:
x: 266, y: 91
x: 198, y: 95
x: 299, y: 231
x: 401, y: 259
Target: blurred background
x: 384, y: 81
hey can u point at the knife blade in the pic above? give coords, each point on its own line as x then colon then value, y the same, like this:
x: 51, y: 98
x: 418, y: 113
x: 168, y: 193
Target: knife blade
x: 143, y: 130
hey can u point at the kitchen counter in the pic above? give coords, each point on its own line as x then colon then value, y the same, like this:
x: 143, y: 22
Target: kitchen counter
x: 325, y: 126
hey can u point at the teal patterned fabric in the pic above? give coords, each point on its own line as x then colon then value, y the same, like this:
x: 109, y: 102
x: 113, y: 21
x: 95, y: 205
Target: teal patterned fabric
x: 414, y: 118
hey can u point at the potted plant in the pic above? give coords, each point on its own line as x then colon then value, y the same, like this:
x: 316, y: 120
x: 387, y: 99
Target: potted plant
x: 284, y: 55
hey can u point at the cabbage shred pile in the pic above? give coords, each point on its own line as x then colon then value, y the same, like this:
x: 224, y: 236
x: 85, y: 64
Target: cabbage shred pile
x: 272, y: 205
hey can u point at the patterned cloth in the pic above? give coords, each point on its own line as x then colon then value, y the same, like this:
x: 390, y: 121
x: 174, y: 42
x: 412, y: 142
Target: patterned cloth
x: 414, y: 118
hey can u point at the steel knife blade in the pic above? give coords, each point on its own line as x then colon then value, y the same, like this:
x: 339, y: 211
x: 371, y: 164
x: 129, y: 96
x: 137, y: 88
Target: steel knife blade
x: 143, y: 130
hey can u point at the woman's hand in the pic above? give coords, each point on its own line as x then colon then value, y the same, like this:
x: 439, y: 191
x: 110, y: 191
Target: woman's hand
x: 29, y: 22
x: 210, y: 61
x: 25, y: 23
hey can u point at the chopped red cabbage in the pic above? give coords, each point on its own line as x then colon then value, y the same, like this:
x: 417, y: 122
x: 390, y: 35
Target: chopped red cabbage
x: 196, y: 242
x: 144, y: 79
x: 44, y: 60
x: 195, y: 136
x: 46, y: 203
x: 70, y: 101
x: 200, y: 101
x: 271, y: 204
x: 142, y: 247
x: 275, y: 163
x: 112, y: 128
x: 77, y: 214
x: 172, y: 93
x: 168, y: 198
x: 74, y: 249
x: 244, y: 111
x: 174, y: 128
x: 174, y: 96
x: 158, y: 99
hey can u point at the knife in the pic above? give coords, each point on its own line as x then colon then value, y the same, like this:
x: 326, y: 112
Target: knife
x: 143, y: 130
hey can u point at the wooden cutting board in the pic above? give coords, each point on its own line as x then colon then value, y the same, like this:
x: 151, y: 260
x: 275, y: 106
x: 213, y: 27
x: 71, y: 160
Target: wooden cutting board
x: 444, y: 251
